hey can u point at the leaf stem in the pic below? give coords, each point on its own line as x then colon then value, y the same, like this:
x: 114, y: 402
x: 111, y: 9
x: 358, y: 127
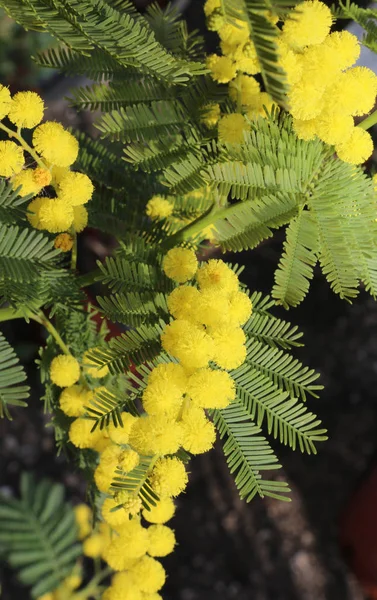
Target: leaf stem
x: 9, y: 313
x: 17, y: 135
x: 192, y: 229
x: 369, y: 121
x: 43, y: 320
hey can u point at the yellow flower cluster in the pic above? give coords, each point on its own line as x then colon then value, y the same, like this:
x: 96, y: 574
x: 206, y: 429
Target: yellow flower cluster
x: 129, y: 548
x: 54, y: 150
x: 204, y: 340
x: 326, y: 91
x: 236, y: 66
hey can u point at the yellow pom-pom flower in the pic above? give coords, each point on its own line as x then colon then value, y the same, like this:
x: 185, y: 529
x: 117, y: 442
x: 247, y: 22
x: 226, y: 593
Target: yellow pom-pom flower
x: 212, y: 308
x: 42, y: 176
x: 183, y: 302
x: 83, y: 517
x: 26, y: 180
x: 161, y: 513
x: 345, y: 48
x: 80, y: 218
x: 211, y: 389
x: 240, y: 308
x: 123, y: 588
x: 114, y: 517
x: 103, y: 477
x: 336, y: 129
x: 64, y: 242
x: 94, y: 545
x: 131, y: 543
x: 180, y: 264
x: 305, y: 130
x: 231, y: 128
x: 244, y: 88
x: 169, y: 477
x: 75, y: 188
x: 121, y: 434
x: 161, y: 540
x: 210, y: 6
x: 159, y: 208
x: 5, y: 101
x: 230, y: 349
x: 55, y: 215
x: 11, y: 159
x: 91, y: 368
x: 355, y: 91
x: 26, y: 109
x: 154, y: 596
x: 131, y: 503
x: 73, y: 400
x: 148, y: 574
x: 155, y: 435
x: 217, y: 276
x: 128, y: 460
x: 187, y: 342
x: 64, y: 370
x: 81, y: 434
x: 357, y: 149
x: 198, y: 433
x: 222, y: 68
x: 32, y: 211
x: 49, y: 596
x: 162, y: 394
x: 309, y: 23
x: 237, y: 33
x: 306, y: 99
x: 55, y: 144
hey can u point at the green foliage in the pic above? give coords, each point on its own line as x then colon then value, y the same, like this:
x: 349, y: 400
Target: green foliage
x: 136, y: 482
x: 10, y: 203
x: 12, y: 374
x: 248, y: 454
x: 122, y: 38
x: 366, y: 17
x: 264, y: 35
x: 39, y: 535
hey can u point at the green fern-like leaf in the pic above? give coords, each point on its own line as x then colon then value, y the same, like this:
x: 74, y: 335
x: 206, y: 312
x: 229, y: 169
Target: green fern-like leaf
x: 39, y: 534
x: 11, y: 376
x: 298, y: 260
x: 136, y: 482
x: 248, y: 454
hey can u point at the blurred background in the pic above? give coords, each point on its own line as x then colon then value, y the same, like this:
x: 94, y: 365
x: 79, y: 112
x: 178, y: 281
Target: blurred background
x: 322, y: 545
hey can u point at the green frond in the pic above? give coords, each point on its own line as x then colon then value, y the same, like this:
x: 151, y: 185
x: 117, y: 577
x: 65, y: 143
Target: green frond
x: 10, y: 203
x: 244, y: 225
x: 264, y: 36
x: 298, y: 260
x: 106, y: 407
x: 136, y: 482
x: 135, y: 347
x: 121, y: 275
x: 134, y: 308
x: 288, y: 419
x: 248, y: 454
x: 39, y: 534
x: 12, y: 374
x: 366, y: 17
x: 23, y: 253
x: 116, y: 95
x: 272, y: 331
x: 123, y: 36
x: 142, y: 122
x: 158, y: 154
x: 283, y: 369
